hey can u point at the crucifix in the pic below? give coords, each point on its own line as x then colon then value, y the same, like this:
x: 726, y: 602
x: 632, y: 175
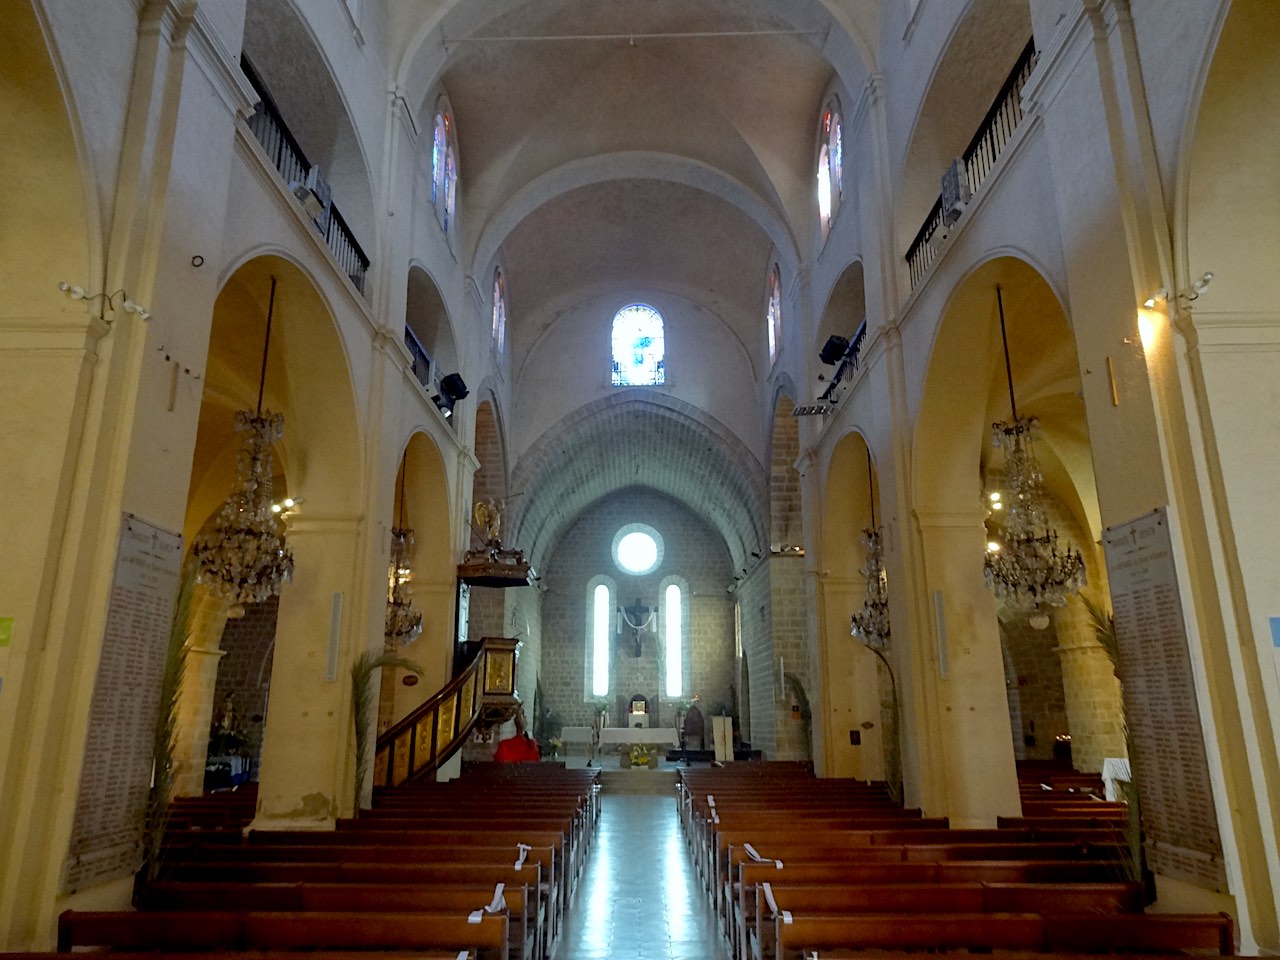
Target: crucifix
x: 638, y: 617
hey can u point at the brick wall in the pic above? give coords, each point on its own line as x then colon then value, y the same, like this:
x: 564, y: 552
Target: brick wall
x: 1037, y: 684
x: 244, y: 674
x: 692, y: 551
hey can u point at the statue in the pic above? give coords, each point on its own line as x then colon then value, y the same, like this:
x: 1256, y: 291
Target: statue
x: 487, y: 515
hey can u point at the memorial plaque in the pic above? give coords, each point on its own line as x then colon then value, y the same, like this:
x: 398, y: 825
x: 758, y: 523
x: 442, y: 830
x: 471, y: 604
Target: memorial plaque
x: 1170, y: 769
x: 116, y: 777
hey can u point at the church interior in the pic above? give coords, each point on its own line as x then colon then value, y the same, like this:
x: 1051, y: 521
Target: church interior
x: 883, y: 392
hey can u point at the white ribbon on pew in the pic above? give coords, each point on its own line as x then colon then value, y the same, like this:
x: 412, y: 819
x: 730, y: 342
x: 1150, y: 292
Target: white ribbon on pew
x: 715, y: 817
x: 462, y: 955
x: 751, y: 852
x: 711, y: 801
x: 523, y: 849
x: 773, y: 904
x: 497, y: 904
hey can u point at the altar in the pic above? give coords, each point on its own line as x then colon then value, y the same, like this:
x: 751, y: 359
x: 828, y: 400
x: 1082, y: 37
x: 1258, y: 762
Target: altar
x: 655, y: 735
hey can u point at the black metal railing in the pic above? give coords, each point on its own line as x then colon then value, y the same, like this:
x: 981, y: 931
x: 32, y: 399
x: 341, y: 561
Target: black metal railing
x: 979, y: 158
x: 423, y: 368
x: 268, y: 126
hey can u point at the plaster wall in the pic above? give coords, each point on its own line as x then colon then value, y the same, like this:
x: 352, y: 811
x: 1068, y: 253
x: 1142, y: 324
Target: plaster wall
x: 569, y: 366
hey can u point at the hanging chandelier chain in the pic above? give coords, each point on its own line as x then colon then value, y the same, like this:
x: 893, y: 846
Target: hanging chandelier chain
x: 1028, y: 568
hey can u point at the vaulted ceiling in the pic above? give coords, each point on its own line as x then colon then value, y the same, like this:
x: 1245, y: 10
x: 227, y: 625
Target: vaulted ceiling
x: 622, y: 145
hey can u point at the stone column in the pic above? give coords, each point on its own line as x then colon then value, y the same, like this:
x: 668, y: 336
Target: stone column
x: 307, y: 774
x: 195, y: 701
x: 1095, y: 713
x: 974, y: 780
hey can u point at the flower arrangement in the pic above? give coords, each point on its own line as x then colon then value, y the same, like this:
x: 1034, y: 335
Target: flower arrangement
x: 640, y: 754
x: 556, y: 744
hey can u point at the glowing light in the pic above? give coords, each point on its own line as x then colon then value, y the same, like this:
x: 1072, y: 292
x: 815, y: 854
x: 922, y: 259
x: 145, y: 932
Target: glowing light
x: 1146, y: 330
x: 993, y: 547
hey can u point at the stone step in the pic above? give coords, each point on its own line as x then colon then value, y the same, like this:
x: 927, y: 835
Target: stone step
x: 639, y: 780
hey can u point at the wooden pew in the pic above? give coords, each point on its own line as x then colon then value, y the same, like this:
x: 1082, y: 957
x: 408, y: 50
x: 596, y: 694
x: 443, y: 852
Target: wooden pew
x: 1151, y: 933
x: 236, y: 930
x: 522, y: 907
x: 972, y: 897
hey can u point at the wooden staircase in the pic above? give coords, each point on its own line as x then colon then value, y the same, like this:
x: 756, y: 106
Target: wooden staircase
x: 482, y: 692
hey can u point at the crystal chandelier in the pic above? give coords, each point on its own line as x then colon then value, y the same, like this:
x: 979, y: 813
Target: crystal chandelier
x: 1027, y: 568
x: 871, y: 623
x: 243, y: 558
x: 404, y: 623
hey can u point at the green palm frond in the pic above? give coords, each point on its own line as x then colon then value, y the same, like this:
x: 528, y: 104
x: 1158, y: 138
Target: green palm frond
x: 362, y: 672
x: 165, y: 739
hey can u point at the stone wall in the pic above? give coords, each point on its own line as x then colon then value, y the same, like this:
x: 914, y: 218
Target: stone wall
x: 692, y: 551
x: 244, y: 673
x: 1036, y: 684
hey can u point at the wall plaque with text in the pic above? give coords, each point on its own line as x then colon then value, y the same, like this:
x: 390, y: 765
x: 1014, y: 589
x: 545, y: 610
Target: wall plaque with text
x: 107, y: 832
x: 1170, y: 769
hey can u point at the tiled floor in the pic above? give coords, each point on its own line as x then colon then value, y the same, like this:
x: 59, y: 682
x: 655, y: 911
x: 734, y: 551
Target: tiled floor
x: 639, y: 898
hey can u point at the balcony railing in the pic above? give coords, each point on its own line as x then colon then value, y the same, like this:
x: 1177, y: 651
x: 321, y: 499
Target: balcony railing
x: 267, y: 124
x: 423, y: 368
x: 979, y: 158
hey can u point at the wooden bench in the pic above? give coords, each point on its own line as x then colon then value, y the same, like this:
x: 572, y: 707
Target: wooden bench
x: 1153, y: 933
x: 240, y: 930
x: 526, y: 920
x: 773, y: 900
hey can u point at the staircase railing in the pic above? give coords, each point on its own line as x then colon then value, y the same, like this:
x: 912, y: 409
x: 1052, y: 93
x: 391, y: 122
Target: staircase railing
x: 422, y: 742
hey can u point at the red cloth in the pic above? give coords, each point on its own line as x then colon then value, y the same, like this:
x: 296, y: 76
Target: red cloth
x: 518, y: 749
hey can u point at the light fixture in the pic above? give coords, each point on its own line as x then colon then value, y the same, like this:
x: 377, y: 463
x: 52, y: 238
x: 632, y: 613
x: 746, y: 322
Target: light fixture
x: 76, y: 292
x: 1029, y: 569
x: 871, y: 623
x: 452, y: 389
x: 243, y: 558
x: 1160, y: 296
x: 404, y: 623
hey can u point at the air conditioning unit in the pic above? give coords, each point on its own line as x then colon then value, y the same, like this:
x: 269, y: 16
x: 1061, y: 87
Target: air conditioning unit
x: 314, y: 193
x: 955, y: 192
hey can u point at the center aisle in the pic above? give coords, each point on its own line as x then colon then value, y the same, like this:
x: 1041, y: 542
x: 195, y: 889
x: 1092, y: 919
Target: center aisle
x: 639, y: 898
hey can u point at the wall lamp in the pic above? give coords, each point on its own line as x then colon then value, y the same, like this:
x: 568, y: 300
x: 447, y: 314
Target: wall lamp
x: 128, y: 306
x: 452, y: 389
x: 1184, y: 296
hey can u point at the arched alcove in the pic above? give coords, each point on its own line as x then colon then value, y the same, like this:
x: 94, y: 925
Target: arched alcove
x: 288, y: 59
x: 859, y: 693
x: 427, y: 318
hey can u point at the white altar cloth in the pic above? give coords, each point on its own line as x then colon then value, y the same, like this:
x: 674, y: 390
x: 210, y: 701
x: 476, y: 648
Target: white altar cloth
x: 639, y: 735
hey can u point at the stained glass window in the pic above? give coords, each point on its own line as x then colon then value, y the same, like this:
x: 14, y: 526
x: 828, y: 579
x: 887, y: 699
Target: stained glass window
x: 438, y: 142
x: 638, y: 350
x: 773, y: 317
x: 830, y: 164
x: 499, y: 311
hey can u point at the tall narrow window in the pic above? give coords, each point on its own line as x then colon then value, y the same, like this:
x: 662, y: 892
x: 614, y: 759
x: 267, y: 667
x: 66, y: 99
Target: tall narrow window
x: 601, y: 620
x: 499, y: 311
x: 673, y: 630
x: 830, y: 164
x: 773, y: 315
x: 438, y: 143
x: 638, y: 349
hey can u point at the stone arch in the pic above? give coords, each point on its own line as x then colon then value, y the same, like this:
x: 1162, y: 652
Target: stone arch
x: 858, y: 692
x: 632, y: 165
x: 284, y: 51
x: 846, y: 306
x: 982, y: 48
x: 956, y: 469
x: 317, y: 463
x: 427, y: 511
x: 427, y: 317
x: 487, y: 607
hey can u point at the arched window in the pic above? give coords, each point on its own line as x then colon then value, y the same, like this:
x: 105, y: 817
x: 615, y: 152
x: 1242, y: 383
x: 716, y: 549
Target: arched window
x: 638, y: 350
x: 600, y: 623
x: 499, y: 311
x: 830, y: 164
x: 773, y: 314
x: 444, y: 165
x: 675, y: 633
x: 439, y: 140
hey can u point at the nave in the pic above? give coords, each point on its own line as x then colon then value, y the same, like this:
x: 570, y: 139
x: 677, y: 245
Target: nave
x: 639, y: 897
